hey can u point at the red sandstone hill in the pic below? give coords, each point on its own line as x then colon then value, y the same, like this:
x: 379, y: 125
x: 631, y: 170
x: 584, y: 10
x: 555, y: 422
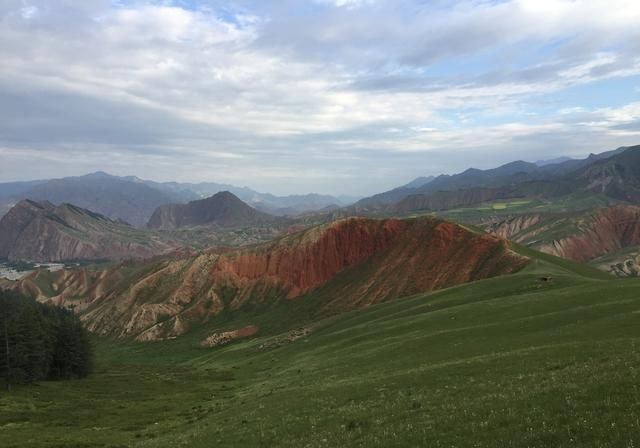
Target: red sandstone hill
x: 345, y: 265
x: 579, y: 236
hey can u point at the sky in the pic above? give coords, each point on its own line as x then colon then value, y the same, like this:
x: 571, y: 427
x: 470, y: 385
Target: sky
x: 294, y: 96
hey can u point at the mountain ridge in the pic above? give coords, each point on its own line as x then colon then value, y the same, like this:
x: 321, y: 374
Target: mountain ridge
x: 42, y: 231
x: 223, y: 209
x: 500, y: 179
x: 348, y: 264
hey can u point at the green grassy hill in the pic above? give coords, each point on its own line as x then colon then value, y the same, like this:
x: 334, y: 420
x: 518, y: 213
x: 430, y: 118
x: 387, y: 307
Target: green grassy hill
x: 545, y: 357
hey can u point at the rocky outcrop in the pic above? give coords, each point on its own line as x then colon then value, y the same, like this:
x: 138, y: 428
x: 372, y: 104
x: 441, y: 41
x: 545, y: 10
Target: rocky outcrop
x: 225, y: 337
x: 512, y: 228
x: 579, y: 236
x: 77, y: 288
x: 606, y: 231
x: 222, y: 209
x: 617, y: 177
x: 348, y: 264
x: 43, y: 232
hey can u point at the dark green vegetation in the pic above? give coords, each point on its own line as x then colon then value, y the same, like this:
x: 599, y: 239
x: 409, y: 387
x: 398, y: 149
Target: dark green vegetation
x: 545, y: 357
x: 39, y: 342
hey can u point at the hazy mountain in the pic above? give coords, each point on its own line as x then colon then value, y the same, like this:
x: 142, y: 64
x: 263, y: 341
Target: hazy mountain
x: 419, y: 182
x: 269, y: 203
x: 114, y: 197
x: 617, y: 176
x: 514, y: 179
x: 223, y: 209
x: 552, y: 161
x: 41, y: 231
x: 507, y: 174
x: 134, y: 200
x: 13, y: 189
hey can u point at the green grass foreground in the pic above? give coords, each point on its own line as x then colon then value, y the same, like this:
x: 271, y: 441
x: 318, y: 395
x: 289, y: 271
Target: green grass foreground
x: 517, y: 361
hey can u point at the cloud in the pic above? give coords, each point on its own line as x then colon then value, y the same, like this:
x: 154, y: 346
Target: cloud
x: 288, y: 95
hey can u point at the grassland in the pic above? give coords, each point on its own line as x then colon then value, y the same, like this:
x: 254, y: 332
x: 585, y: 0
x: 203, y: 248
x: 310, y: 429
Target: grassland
x: 576, y: 202
x: 547, y: 357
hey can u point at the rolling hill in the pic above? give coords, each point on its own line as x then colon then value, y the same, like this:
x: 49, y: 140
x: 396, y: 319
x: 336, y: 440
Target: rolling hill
x: 348, y: 264
x: 543, y: 357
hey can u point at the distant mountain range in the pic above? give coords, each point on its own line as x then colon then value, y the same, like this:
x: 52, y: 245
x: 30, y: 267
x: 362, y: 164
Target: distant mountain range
x: 134, y: 200
x: 517, y: 179
x: 49, y: 228
x: 111, y: 196
x: 42, y: 231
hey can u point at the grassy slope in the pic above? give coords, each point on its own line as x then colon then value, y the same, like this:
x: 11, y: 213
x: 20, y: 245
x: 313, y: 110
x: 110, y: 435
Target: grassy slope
x: 577, y: 202
x: 510, y: 361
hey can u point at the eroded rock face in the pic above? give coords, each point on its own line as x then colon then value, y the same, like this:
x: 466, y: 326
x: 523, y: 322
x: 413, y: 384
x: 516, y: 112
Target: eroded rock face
x: 301, y: 262
x: 225, y: 337
x: 599, y: 236
x: 347, y: 264
x: 78, y: 288
x: 512, y: 228
x: 43, y: 232
x: 608, y: 231
x: 578, y: 236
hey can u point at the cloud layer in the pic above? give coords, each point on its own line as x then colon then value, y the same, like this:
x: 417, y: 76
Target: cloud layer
x: 333, y: 96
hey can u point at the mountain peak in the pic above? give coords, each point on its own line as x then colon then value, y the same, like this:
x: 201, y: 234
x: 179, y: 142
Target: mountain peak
x: 40, y: 231
x: 222, y: 209
x: 98, y: 175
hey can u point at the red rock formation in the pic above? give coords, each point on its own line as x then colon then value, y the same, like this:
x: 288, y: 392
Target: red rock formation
x: 299, y: 264
x: 606, y: 231
x: 348, y: 264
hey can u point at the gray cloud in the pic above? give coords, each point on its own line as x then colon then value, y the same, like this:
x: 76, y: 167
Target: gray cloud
x: 293, y: 96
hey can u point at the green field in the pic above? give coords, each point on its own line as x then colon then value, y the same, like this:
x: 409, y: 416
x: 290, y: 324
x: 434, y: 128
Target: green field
x: 547, y: 357
x: 489, y: 210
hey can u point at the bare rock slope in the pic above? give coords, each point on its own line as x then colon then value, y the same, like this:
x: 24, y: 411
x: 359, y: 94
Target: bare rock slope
x: 345, y: 265
x: 40, y: 231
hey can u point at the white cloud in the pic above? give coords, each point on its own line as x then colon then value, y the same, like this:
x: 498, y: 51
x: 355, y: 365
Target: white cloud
x: 347, y: 3
x: 264, y: 91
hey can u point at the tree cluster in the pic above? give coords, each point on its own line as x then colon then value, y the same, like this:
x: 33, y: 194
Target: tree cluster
x: 40, y: 342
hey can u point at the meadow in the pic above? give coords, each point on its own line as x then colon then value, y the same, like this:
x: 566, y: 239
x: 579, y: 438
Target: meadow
x: 546, y: 357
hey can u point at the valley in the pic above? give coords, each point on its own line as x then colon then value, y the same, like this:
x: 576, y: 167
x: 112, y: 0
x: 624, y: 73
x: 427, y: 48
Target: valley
x: 515, y: 359
x: 319, y: 223
x: 346, y: 265
x: 481, y: 316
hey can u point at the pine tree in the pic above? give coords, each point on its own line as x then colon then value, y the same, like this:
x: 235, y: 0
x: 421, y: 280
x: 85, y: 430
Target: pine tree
x: 40, y: 342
